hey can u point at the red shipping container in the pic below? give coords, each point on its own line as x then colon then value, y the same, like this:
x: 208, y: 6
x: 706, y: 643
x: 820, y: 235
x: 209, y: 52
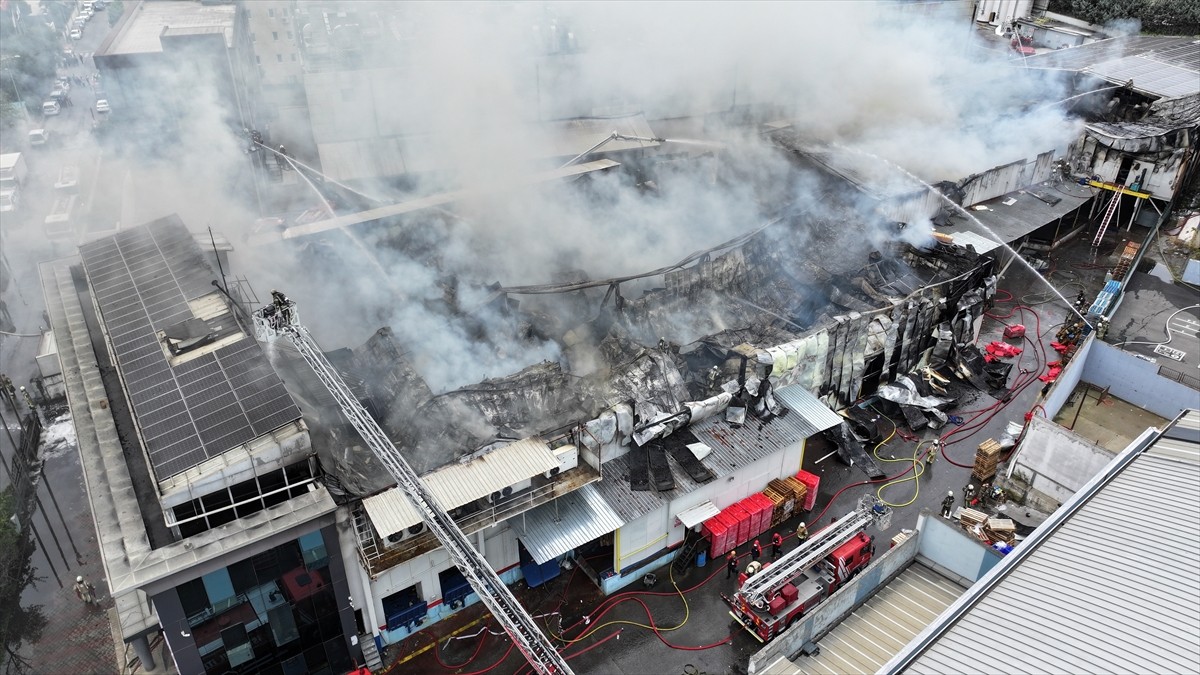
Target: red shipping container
x: 717, y: 531
x: 811, y: 481
x: 742, y: 518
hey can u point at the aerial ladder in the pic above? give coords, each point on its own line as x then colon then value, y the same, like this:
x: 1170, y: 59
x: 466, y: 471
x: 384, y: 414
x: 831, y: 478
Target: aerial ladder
x: 280, y: 319
x: 765, y: 584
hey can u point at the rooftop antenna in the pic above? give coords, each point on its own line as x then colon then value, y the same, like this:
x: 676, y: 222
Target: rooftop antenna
x: 224, y: 284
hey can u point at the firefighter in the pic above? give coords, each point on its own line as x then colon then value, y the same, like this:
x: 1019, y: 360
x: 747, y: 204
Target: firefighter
x: 931, y: 456
x: 968, y: 494
x: 801, y: 533
x: 85, y: 591
x: 755, y: 550
x: 777, y: 546
x: 948, y: 504
x: 731, y: 562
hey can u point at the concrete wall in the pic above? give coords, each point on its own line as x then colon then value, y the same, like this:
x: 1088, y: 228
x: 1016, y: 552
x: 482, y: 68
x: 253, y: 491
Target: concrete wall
x: 1068, y: 379
x: 946, y: 548
x: 882, y: 570
x: 1137, y: 381
x: 1054, y: 463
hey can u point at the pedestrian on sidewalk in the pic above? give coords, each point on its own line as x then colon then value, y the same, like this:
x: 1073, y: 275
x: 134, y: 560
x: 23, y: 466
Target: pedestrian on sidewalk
x: 948, y: 504
x: 777, y: 546
x: 755, y: 550
x: 731, y: 561
x: 85, y: 591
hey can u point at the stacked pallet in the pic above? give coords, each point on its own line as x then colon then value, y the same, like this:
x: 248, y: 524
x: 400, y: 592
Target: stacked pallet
x: 969, y: 518
x: 986, y: 459
x: 785, y: 493
x: 1001, y: 529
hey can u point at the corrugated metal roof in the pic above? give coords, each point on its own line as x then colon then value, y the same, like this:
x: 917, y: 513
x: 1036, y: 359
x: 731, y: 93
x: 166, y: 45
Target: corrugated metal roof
x: 1115, y: 587
x: 883, y: 625
x: 818, y: 415
x: 732, y: 447
x: 572, y: 520
x: 698, y: 514
x: 458, y: 484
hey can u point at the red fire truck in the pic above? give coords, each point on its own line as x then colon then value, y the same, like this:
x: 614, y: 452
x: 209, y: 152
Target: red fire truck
x: 782, y: 592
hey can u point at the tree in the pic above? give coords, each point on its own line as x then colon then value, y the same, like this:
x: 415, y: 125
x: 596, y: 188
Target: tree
x: 115, y: 10
x: 1167, y: 17
x: 17, y: 624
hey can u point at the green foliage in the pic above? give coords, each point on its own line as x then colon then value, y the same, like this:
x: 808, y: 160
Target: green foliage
x: 1164, y: 17
x: 30, y: 54
x: 115, y: 10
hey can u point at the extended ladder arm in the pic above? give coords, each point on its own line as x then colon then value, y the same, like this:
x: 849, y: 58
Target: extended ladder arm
x: 759, y: 588
x: 280, y: 318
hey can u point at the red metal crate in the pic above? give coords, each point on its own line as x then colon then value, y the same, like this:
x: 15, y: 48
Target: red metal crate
x: 811, y: 481
x: 760, y: 513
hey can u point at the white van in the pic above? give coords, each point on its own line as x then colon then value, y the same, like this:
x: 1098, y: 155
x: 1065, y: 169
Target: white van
x: 39, y: 137
x: 51, y: 108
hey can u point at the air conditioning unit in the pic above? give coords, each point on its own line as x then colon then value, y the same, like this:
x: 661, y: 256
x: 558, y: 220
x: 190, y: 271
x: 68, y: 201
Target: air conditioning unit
x: 407, y: 533
x: 501, y: 495
x: 568, y: 458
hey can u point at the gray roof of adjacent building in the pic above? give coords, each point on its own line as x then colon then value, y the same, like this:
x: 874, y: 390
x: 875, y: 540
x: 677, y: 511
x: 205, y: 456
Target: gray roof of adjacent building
x: 1158, y: 65
x: 1109, y: 583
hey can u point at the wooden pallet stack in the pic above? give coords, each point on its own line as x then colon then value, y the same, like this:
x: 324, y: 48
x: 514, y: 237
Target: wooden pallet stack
x: 1001, y: 529
x: 986, y: 459
x: 785, y: 493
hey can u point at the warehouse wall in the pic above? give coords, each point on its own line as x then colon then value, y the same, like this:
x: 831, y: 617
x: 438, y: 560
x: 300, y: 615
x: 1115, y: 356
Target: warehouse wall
x: 1132, y: 379
x: 949, y: 550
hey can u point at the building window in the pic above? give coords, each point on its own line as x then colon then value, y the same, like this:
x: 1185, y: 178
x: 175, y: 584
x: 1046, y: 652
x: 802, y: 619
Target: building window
x: 279, y: 58
x: 240, y: 500
x: 271, y: 13
x: 274, y: 35
x: 293, y: 57
x: 289, y: 35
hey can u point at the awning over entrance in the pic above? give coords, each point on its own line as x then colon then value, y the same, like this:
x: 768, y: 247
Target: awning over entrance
x: 572, y: 520
x: 697, y: 514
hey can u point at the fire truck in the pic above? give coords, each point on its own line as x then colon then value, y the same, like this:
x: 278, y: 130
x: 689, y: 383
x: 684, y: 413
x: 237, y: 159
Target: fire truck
x: 782, y: 592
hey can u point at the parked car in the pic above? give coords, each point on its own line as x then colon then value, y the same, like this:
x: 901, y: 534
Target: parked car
x: 50, y: 108
x: 102, y: 106
x: 10, y: 199
x: 68, y: 179
x: 39, y: 137
x: 76, y: 34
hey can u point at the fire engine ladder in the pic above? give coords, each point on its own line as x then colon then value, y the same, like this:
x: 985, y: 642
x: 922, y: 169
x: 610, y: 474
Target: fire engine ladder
x: 1108, y: 216
x: 274, y: 320
x: 759, y: 588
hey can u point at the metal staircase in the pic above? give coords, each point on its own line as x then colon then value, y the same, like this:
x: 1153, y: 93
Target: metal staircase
x: 280, y: 319
x: 692, y: 543
x: 1108, y: 216
x: 370, y: 653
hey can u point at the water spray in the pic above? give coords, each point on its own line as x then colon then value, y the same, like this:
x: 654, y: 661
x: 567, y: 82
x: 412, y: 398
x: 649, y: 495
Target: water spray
x: 959, y: 208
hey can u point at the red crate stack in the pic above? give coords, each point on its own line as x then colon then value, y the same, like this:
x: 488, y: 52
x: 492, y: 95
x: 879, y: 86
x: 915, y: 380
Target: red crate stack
x: 811, y: 481
x: 718, y: 531
x: 762, y: 511
x: 742, y: 517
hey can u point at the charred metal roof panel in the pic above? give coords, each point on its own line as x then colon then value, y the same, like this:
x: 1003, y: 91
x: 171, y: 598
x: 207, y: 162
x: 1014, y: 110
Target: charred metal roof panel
x: 572, y: 520
x: 816, y: 414
x: 142, y: 280
x: 1016, y: 214
x: 458, y: 484
x: 1128, y: 535
x: 732, y: 447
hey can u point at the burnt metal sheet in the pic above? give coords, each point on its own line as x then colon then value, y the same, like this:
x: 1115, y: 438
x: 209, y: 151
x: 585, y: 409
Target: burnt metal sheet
x: 572, y: 520
x: 142, y: 280
x: 815, y: 416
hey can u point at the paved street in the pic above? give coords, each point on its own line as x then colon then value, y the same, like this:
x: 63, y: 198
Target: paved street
x: 77, y: 638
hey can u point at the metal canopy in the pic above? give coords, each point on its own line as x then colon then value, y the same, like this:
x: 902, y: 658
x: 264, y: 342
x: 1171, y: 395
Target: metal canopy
x: 572, y: 520
x: 142, y: 280
x: 697, y: 514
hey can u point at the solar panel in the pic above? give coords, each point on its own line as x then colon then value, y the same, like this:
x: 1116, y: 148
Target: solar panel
x: 142, y: 280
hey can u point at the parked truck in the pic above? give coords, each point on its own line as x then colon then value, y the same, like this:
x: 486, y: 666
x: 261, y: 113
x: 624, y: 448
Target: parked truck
x: 782, y: 592
x: 12, y: 170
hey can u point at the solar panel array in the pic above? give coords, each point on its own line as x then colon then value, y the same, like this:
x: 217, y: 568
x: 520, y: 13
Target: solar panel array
x: 142, y: 280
